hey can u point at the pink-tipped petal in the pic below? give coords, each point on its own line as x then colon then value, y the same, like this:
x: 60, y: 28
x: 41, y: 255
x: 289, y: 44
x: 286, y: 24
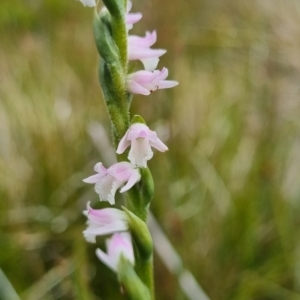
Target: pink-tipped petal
x: 99, y: 168
x: 134, y: 178
x: 123, y: 171
x: 110, y: 262
x: 136, y: 129
x: 159, y: 145
x: 142, y: 42
x: 120, y: 243
x: 143, y: 76
x: 163, y: 74
x: 135, y: 53
x: 105, y: 215
x: 93, y: 179
x: 135, y: 88
x: 91, y: 232
x: 123, y: 144
x: 166, y: 84
x: 104, y: 221
x: 133, y: 18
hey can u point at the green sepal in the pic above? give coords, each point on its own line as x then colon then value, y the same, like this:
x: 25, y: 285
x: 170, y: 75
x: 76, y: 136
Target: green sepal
x: 105, y: 43
x: 140, y: 234
x: 147, y: 186
x: 135, y: 288
x: 138, y: 198
x: 137, y: 119
x: 116, y: 8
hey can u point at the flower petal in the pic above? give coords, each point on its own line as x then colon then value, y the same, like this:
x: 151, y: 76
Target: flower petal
x: 147, y: 41
x: 121, y: 171
x: 143, y: 76
x: 110, y: 262
x: 134, y: 178
x: 120, y: 243
x: 166, y: 84
x: 131, y: 19
x: 105, y: 215
x: 91, y: 232
x: 93, y: 179
x: 135, y: 53
x: 123, y: 144
x: 135, y: 131
x: 99, y: 168
x: 135, y: 88
x: 159, y: 145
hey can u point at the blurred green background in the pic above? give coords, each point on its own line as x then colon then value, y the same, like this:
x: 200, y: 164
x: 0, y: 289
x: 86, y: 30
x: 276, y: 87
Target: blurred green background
x: 227, y: 192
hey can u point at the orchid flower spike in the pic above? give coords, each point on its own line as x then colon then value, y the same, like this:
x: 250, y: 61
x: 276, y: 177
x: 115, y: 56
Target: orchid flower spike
x: 103, y: 221
x: 90, y: 3
x: 131, y: 18
x: 146, y: 82
x: 139, y: 49
x: 119, y: 244
x: 141, y: 139
x: 107, y: 181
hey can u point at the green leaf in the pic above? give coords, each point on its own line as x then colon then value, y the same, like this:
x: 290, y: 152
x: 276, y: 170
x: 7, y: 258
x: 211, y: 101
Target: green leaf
x: 134, y: 287
x: 140, y: 234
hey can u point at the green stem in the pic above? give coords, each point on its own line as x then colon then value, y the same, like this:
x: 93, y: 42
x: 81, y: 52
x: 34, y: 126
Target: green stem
x: 134, y: 202
x: 145, y: 271
x: 111, y: 40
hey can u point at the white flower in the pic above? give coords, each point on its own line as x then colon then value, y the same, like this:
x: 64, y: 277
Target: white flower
x: 107, y: 181
x: 119, y: 244
x: 104, y: 221
x: 141, y: 139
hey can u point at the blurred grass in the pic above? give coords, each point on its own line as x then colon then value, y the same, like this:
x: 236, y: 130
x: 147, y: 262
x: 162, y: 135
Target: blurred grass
x: 227, y: 193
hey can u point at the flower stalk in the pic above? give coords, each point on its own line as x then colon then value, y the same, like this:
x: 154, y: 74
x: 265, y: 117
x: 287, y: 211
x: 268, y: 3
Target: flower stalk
x: 129, y: 250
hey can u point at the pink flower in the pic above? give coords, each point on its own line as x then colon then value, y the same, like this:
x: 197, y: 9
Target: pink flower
x: 119, y: 244
x: 107, y: 181
x: 131, y: 18
x: 146, y: 82
x: 103, y: 221
x: 139, y: 49
x: 89, y: 3
x: 141, y: 139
